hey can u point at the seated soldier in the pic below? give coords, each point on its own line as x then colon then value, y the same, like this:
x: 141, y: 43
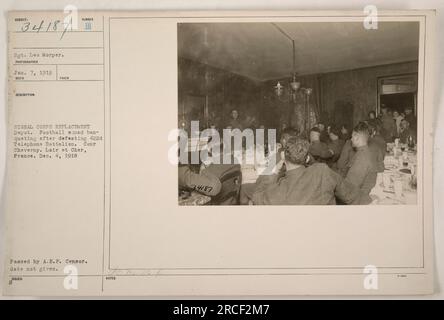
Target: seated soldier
x: 287, y: 133
x: 193, y: 174
x: 335, y: 144
x: 301, y: 185
x: 324, y: 133
x: 410, y: 118
x: 248, y: 189
x: 406, y: 132
x: 377, y: 146
x: 201, y: 181
x: 230, y: 177
x: 347, y: 154
x: 361, y: 170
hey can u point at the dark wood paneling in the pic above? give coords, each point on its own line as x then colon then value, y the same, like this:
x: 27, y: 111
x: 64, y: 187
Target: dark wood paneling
x: 358, y: 88
x: 226, y: 90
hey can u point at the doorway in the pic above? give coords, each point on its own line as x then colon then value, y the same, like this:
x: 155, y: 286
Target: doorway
x: 398, y: 92
x: 399, y: 101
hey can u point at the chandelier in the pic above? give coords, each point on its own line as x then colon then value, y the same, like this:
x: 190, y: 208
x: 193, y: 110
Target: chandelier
x: 294, y: 85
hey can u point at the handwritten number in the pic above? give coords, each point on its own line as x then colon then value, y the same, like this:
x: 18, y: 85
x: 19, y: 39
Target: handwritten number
x: 55, y: 25
x: 35, y: 28
x: 66, y: 28
x: 25, y: 26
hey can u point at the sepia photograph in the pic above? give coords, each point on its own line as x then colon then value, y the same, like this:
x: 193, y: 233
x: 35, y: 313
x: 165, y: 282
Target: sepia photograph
x: 298, y: 113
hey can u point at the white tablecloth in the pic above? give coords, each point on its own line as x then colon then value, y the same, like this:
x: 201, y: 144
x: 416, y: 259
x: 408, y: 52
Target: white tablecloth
x: 395, y: 170
x: 380, y: 194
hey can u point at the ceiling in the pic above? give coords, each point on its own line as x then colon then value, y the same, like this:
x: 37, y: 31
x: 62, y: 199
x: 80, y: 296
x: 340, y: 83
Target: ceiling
x: 261, y: 51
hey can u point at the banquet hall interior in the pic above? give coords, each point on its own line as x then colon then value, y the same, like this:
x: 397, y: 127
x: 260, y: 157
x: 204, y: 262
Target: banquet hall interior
x: 315, y: 83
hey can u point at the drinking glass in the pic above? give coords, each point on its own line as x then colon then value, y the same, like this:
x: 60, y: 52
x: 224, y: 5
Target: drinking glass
x: 386, y: 180
x: 398, y: 186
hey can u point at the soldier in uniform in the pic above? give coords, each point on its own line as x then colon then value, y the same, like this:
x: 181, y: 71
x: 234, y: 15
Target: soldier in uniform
x: 301, y: 185
x: 234, y: 122
x: 335, y: 144
x: 411, y: 118
x: 377, y: 146
x: 388, y: 124
x: 361, y: 170
x: 203, y: 182
x: 247, y: 189
x: 197, y: 177
x: 406, y: 132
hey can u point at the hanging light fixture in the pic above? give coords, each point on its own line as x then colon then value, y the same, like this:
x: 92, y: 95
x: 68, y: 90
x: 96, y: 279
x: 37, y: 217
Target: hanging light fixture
x: 295, y: 85
x: 279, y: 89
x: 307, y: 92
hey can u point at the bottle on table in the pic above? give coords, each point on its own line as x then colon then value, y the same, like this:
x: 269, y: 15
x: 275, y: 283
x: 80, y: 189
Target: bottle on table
x: 410, y: 142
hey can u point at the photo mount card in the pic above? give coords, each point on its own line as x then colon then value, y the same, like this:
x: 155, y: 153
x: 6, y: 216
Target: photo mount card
x: 97, y: 202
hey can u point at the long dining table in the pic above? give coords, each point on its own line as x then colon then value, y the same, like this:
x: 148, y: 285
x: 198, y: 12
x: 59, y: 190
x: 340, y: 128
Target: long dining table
x: 396, y: 185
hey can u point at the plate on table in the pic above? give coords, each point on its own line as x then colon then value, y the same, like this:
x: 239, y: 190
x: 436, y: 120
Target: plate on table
x: 390, y: 167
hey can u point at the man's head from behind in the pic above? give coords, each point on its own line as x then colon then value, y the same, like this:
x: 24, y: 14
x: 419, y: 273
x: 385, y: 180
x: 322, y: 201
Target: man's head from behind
x: 287, y: 133
x: 360, y: 135
x: 321, y: 126
x: 296, y: 152
x: 334, y: 133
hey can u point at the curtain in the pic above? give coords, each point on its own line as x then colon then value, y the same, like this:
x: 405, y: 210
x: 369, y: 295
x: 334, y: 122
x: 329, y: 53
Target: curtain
x: 300, y: 116
x: 314, y: 82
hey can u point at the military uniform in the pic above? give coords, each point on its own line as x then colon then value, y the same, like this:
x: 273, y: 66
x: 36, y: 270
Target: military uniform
x: 319, y: 151
x: 388, y: 127
x: 335, y: 146
x: 235, y: 124
x: 405, y: 134
x: 204, y: 182
x: 230, y: 177
x: 361, y: 169
x: 378, y: 148
x: 379, y: 141
x: 347, y: 154
x: 314, y: 185
x: 411, y: 119
x: 324, y: 137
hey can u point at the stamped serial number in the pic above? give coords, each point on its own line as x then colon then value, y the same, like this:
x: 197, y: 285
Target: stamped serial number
x: 242, y: 309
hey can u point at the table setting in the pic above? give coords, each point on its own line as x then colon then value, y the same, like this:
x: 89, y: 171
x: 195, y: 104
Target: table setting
x: 398, y: 183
